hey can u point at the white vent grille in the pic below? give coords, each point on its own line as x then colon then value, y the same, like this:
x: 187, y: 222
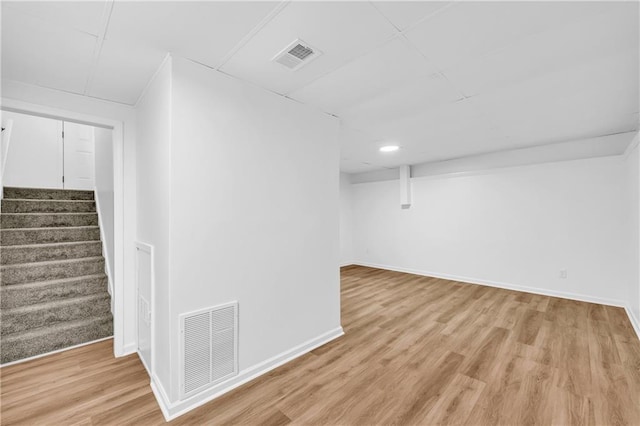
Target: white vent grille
x: 296, y: 54
x: 197, y: 351
x: 143, y: 310
x: 210, y: 343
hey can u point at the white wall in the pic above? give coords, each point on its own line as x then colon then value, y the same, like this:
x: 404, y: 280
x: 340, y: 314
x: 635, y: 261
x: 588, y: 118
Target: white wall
x: 632, y: 166
x: 82, y: 108
x: 7, y: 125
x: 254, y: 213
x: 514, y: 227
x: 34, y: 156
x: 346, y: 220
x: 103, y: 157
x: 154, y: 205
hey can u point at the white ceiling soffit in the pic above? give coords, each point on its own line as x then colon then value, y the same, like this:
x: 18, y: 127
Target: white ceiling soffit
x: 342, y: 30
x: 583, y: 148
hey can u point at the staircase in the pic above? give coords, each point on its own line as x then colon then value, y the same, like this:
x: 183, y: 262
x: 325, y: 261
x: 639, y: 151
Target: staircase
x: 53, y: 288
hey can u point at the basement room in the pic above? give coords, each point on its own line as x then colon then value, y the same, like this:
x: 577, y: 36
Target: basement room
x: 335, y: 213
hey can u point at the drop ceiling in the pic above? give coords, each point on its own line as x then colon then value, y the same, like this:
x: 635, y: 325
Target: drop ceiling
x: 441, y: 79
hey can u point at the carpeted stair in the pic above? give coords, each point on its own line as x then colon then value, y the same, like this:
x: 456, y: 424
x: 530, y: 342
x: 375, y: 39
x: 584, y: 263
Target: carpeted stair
x: 53, y: 288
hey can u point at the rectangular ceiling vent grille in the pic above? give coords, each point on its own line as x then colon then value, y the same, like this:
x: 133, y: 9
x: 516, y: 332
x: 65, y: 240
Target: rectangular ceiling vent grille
x: 209, y: 347
x: 296, y: 54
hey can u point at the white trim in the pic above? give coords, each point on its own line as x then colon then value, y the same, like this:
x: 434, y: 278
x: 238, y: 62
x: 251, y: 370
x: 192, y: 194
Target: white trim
x: 161, y: 396
x: 342, y: 265
x: 173, y: 410
x: 635, y: 322
x: 129, y: 349
x: 506, y: 286
x: 105, y: 252
x: 20, y: 361
x: 118, y: 198
x: 149, y: 249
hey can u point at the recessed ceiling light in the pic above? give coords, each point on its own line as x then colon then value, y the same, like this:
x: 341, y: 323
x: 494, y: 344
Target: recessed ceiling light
x: 389, y: 148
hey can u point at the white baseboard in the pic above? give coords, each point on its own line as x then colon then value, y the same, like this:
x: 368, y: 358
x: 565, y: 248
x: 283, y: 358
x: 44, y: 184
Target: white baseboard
x: 172, y: 410
x: 20, y: 361
x: 144, y: 364
x: 342, y: 265
x: 506, y: 286
x: 128, y: 349
x: 635, y: 321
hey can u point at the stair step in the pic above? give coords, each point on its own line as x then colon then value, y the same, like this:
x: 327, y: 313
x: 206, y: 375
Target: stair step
x: 47, y: 194
x: 47, y: 339
x: 53, y: 270
x: 24, y: 318
x: 20, y: 295
x: 24, y: 236
x: 47, y: 206
x: 11, y: 255
x: 47, y: 220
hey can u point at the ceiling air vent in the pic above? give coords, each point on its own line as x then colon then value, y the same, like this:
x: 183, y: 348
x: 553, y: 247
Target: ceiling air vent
x: 297, y: 54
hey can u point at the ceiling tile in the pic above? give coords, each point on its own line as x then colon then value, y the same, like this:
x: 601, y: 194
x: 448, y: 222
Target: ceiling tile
x: 363, y: 78
x: 412, y: 97
x: 202, y: 31
x: 37, y: 52
x: 600, y: 35
x: 341, y: 30
x: 470, y: 29
x: 595, y: 98
x: 84, y: 16
x: 403, y: 14
x: 123, y: 71
x: 449, y: 131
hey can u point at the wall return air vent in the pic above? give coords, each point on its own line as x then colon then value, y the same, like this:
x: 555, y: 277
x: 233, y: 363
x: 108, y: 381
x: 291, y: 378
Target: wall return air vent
x: 296, y: 55
x: 209, y: 347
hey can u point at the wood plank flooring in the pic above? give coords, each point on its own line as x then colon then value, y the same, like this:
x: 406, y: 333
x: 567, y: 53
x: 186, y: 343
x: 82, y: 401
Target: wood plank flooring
x: 417, y: 351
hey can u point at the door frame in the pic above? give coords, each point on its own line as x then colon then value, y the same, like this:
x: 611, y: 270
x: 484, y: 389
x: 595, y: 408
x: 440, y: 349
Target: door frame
x: 117, y: 128
x: 147, y: 248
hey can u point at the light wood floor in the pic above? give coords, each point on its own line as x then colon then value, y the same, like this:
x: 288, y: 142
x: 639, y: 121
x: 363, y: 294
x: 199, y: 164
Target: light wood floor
x: 417, y: 351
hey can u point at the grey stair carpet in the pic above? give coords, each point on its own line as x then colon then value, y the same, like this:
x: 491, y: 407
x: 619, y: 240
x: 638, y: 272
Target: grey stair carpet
x: 53, y: 288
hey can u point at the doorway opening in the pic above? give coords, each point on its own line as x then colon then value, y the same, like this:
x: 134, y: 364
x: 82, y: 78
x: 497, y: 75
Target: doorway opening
x: 58, y: 234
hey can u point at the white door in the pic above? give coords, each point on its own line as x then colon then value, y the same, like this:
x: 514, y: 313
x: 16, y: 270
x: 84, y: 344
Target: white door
x: 79, y: 164
x: 34, y: 154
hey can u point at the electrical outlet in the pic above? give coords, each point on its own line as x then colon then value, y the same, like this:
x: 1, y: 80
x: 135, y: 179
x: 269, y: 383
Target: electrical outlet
x: 563, y: 273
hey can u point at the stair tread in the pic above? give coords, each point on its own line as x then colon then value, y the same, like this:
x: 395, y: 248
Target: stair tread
x: 48, y: 200
x: 56, y: 303
x: 51, y: 262
x: 49, y: 228
x: 35, y: 284
x: 49, y: 214
x: 29, y: 188
x: 52, y: 245
x: 52, y: 329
